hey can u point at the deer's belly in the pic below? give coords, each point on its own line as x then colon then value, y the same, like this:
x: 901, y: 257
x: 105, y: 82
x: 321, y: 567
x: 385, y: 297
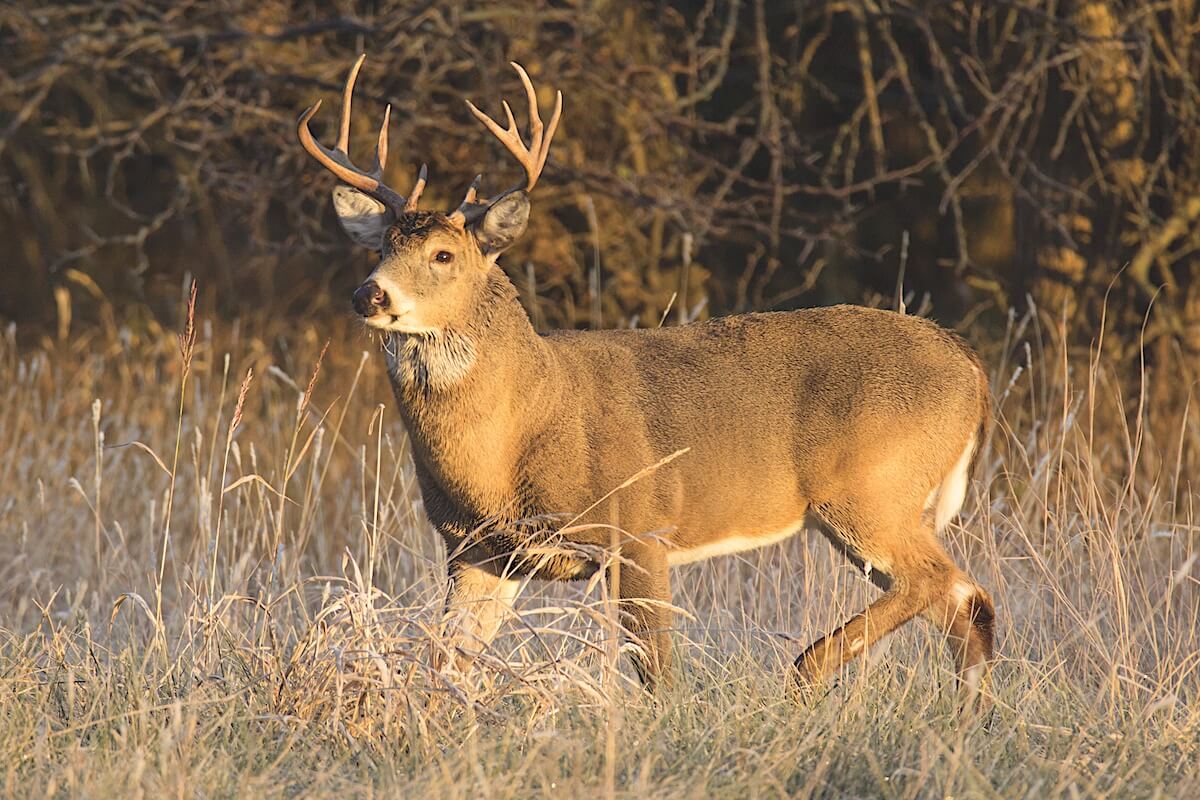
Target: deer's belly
x: 685, y: 554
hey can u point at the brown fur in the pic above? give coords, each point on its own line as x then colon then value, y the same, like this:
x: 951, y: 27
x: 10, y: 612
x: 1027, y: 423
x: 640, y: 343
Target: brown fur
x: 846, y: 416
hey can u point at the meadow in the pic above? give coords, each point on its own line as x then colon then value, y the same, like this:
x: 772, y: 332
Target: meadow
x: 216, y: 580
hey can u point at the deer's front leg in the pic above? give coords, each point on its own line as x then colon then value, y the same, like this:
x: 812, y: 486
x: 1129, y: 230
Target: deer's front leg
x: 477, y: 601
x: 645, y: 598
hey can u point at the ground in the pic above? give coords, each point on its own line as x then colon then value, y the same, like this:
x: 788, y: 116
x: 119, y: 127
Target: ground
x: 236, y: 599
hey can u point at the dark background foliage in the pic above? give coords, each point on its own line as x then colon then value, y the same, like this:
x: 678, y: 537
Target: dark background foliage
x: 734, y: 154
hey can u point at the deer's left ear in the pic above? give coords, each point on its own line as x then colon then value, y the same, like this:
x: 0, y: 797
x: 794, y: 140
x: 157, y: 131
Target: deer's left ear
x: 502, y: 223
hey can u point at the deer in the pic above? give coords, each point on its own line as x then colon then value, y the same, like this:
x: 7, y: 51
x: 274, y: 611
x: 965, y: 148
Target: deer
x: 863, y: 424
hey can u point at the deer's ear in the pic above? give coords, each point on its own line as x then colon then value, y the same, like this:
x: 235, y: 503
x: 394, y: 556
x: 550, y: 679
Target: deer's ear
x: 363, y: 218
x: 502, y: 223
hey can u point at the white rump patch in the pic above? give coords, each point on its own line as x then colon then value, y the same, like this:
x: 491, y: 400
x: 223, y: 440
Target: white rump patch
x: 947, y: 499
x: 731, y: 544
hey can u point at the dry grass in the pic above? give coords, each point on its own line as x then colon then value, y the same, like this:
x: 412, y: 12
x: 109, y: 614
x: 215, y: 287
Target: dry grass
x: 237, y: 601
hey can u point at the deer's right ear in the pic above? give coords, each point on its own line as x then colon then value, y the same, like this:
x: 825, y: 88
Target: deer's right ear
x: 363, y: 218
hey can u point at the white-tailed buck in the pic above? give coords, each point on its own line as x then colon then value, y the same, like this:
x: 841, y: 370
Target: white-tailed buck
x: 861, y: 423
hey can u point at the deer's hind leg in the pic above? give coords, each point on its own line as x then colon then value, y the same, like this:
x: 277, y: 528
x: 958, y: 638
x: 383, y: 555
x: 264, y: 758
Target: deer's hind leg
x: 910, y: 594
x: 965, y: 614
x: 906, y: 561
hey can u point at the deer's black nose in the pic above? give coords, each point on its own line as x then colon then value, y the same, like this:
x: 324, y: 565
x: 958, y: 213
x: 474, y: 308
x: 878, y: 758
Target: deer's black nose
x: 369, y: 299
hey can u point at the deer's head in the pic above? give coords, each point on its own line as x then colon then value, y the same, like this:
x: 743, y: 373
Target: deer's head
x: 433, y: 263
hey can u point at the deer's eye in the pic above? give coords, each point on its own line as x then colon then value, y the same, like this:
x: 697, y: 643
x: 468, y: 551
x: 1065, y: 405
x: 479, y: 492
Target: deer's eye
x: 443, y: 256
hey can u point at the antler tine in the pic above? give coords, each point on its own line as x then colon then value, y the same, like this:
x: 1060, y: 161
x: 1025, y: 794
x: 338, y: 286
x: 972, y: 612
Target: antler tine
x: 418, y: 187
x: 343, y: 141
x: 473, y: 190
x: 338, y: 160
x: 381, y: 144
x: 505, y: 136
x: 470, y: 204
x: 535, y: 116
x: 551, y: 129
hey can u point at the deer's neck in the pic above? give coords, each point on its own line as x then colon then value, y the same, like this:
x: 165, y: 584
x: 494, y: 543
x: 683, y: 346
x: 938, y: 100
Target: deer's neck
x: 437, y: 371
x: 471, y: 395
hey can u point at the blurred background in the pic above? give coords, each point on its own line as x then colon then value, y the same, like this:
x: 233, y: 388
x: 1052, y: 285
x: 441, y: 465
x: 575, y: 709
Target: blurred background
x: 733, y: 154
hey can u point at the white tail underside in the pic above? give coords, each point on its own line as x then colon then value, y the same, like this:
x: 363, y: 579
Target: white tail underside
x: 947, y: 499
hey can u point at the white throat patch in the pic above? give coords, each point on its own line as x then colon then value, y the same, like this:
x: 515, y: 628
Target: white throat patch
x: 432, y: 360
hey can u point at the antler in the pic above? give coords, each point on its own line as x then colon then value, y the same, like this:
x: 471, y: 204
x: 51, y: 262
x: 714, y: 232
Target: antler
x: 532, y: 158
x: 338, y: 161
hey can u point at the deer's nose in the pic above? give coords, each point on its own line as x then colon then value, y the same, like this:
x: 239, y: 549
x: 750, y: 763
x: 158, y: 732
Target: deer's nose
x: 369, y: 299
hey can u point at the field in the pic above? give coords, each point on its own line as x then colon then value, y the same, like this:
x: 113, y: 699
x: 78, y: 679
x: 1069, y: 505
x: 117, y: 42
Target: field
x: 216, y: 580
